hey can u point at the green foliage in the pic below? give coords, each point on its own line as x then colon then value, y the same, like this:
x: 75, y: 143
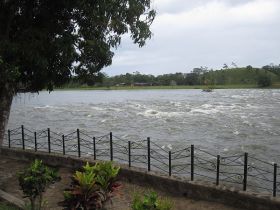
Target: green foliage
x: 34, y: 180
x: 41, y: 40
x: 4, y: 206
x: 85, y: 180
x: 272, y: 68
x: 91, y: 187
x: 199, y: 76
x: 88, y: 168
x: 264, y: 81
x: 105, y: 174
x: 150, y: 201
x: 84, y: 193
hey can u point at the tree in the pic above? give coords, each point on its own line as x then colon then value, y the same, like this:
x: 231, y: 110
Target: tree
x: 192, y: 79
x: 272, y: 68
x: 264, y: 80
x: 91, y: 80
x: 44, y: 42
x: 173, y: 83
x: 198, y: 71
x: 34, y: 180
x: 225, y: 66
x: 249, y: 67
x: 234, y: 64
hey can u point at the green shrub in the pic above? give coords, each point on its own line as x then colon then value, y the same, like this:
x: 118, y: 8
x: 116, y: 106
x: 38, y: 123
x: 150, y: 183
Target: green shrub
x: 150, y: 201
x: 91, y: 187
x: 34, y: 180
x: 5, y: 206
x: 105, y: 174
x: 264, y: 81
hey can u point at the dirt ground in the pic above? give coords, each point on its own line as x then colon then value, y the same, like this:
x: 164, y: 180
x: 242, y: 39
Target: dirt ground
x: 122, y: 201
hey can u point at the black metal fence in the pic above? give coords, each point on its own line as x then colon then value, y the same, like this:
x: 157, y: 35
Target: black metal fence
x: 242, y: 171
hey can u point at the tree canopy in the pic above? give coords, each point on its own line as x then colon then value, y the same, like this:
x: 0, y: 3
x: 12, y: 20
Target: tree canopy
x: 44, y: 42
x: 262, y: 77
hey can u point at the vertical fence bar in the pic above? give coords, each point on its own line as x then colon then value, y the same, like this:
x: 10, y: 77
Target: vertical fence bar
x: 94, y: 149
x: 170, y: 167
x: 111, y: 146
x: 245, y: 171
x: 49, y: 140
x: 149, y: 153
x: 63, y: 144
x: 79, y: 146
x: 22, y: 137
x: 192, y: 161
x: 274, y: 180
x: 35, y: 141
x: 218, y: 170
x: 9, y: 138
x: 129, y: 153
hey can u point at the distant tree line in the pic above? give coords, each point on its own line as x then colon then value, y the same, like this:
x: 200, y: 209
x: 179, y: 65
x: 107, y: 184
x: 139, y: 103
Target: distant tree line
x: 262, y: 77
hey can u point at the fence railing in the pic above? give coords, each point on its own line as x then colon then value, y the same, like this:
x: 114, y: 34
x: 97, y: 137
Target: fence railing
x: 241, y: 170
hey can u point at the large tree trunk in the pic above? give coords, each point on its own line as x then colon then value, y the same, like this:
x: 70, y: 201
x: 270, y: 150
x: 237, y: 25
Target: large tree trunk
x: 6, y: 98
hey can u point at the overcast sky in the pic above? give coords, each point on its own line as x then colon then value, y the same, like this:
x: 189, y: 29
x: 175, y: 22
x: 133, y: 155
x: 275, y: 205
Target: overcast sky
x: 194, y: 33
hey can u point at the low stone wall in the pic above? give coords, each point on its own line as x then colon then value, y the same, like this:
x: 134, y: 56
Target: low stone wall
x: 173, y: 185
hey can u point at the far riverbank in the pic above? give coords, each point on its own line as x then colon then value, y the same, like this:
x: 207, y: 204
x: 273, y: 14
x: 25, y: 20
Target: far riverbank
x: 240, y: 86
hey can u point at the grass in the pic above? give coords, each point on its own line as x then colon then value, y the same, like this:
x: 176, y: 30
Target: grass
x: 240, y: 86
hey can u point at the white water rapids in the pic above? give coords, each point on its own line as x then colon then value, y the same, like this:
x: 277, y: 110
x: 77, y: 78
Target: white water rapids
x: 223, y: 121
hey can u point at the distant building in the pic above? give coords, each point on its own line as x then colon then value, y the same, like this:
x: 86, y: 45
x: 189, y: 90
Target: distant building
x: 142, y: 84
x: 121, y: 84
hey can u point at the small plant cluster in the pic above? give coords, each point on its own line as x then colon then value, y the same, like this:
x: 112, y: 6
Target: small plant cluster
x: 34, y: 180
x: 150, y: 201
x: 91, y: 186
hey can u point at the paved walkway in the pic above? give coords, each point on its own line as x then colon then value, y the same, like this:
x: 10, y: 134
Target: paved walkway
x: 54, y: 194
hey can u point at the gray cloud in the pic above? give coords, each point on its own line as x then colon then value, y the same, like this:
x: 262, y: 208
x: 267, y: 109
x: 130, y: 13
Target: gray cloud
x: 209, y: 33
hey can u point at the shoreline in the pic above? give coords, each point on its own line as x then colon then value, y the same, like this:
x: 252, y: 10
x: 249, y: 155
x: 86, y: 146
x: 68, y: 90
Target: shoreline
x: 179, y: 87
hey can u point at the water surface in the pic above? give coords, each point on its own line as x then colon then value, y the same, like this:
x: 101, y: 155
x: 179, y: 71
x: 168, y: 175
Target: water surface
x: 223, y: 121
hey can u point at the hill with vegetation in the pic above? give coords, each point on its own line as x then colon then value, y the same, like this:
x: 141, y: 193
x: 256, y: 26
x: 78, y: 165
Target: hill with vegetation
x: 243, y: 76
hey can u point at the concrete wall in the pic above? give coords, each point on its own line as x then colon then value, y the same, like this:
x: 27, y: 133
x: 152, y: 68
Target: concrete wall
x: 173, y: 185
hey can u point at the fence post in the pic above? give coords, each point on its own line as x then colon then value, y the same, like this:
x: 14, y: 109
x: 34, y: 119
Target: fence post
x: 22, y: 136
x: 35, y: 141
x: 49, y: 140
x: 275, y: 180
x: 245, y: 171
x: 63, y: 144
x: 192, y: 161
x: 129, y: 153
x: 9, y: 138
x: 218, y: 170
x: 79, y: 146
x: 111, y: 146
x: 149, y: 153
x: 94, y: 149
x: 170, y: 168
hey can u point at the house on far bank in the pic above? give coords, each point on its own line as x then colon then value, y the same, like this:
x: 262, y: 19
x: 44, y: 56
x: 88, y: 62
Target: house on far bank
x: 121, y: 84
x: 142, y: 84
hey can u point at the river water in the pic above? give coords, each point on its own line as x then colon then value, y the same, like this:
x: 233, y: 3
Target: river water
x: 223, y: 121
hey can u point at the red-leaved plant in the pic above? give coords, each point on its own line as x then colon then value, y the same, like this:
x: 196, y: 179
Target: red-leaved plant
x: 91, y: 187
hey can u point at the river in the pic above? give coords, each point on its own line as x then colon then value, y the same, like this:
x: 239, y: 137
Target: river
x: 222, y: 121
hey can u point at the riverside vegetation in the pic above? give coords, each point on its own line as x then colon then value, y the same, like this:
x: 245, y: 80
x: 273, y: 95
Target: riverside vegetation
x: 91, y: 187
x: 150, y: 201
x: 33, y: 182
x: 245, y: 77
x: 81, y: 32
